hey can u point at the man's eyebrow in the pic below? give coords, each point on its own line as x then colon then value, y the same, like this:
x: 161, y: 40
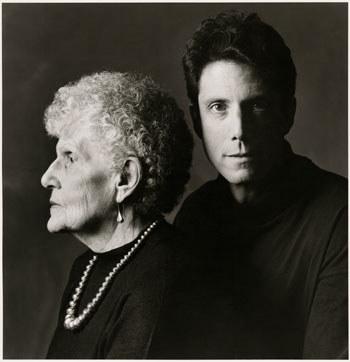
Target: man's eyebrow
x: 215, y: 99
x: 255, y: 97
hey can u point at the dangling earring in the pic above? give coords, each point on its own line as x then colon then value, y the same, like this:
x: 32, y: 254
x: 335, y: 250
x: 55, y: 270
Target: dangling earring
x: 120, y: 217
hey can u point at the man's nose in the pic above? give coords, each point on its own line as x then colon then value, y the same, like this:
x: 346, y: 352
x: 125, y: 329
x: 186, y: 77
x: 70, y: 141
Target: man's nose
x: 238, y: 124
x: 49, y: 179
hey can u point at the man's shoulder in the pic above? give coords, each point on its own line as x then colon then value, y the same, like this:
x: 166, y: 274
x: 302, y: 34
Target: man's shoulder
x: 324, y: 186
x: 204, y: 192
x: 202, y: 196
x: 201, y: 207
x: 334, y: 182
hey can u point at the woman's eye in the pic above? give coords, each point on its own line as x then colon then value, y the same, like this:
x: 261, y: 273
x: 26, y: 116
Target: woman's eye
x: 69, y: 159
x: 218, y: 107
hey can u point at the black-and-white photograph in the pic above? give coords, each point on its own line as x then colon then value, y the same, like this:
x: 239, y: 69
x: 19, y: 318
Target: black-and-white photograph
x: 175, y: 180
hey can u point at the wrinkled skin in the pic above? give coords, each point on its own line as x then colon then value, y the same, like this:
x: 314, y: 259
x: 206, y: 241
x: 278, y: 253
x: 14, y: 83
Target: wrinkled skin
x: 82, y: 184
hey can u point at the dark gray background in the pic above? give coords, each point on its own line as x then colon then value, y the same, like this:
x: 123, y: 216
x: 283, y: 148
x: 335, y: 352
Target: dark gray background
x: 47, y: 45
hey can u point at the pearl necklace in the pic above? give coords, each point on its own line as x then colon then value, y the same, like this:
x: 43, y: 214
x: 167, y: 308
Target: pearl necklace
x: 72, y: 322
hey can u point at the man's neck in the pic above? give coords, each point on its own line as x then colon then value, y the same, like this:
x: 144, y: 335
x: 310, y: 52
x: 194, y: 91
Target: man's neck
x: 243, y: 193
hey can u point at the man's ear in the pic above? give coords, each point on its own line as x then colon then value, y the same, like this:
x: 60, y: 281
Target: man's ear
x: 290, y: 114
x: 196, y: 120
x: 128, y: 179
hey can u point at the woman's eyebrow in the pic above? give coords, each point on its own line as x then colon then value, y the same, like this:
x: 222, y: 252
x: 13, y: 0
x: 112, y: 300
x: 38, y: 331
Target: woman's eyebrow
x: 65, y: 147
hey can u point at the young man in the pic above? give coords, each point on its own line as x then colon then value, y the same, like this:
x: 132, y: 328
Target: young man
x: 272, y: 228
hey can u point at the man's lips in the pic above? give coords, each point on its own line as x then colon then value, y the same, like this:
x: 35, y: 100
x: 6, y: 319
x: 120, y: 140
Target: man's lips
x: 54, y: 203
x: 240, y: 155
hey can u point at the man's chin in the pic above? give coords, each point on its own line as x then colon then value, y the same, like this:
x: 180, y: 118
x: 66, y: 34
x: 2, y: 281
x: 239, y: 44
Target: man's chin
x: 239, y: 177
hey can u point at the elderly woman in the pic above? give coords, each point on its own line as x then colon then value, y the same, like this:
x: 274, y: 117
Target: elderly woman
x: 123, y: 156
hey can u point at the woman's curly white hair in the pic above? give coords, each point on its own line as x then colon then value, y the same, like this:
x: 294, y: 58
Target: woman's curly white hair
x: 131, y: 115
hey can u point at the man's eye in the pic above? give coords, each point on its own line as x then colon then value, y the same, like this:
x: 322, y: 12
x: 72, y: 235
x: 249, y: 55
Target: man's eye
x: 260, y: 106
x: 218, y: 107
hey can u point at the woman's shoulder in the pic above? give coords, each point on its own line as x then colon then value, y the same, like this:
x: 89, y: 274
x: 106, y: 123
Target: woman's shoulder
x: 166, y: 243
x: 163, y: 255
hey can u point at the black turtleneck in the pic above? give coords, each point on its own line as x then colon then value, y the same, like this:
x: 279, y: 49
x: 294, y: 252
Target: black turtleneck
x: 274, y: 271
x: 123, y: 324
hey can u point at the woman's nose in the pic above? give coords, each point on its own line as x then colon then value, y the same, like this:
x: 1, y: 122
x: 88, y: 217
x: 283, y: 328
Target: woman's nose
x: 49, y: 179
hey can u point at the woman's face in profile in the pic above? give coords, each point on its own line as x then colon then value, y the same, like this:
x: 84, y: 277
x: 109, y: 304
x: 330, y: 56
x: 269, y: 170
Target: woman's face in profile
x: 82, y: 184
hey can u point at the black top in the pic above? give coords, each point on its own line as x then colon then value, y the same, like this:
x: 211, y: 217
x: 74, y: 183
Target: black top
x: 123, y: 324
x: 273, y: 274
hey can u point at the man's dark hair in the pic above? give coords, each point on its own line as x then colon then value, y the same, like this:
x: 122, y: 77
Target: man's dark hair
x: 233, y: 36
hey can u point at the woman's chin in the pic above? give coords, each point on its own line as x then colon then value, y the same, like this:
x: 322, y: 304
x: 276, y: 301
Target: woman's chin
x: 56, y: 226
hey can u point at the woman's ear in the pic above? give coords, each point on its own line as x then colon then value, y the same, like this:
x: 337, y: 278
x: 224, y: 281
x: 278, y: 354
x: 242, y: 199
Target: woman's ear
x: 128, y: 178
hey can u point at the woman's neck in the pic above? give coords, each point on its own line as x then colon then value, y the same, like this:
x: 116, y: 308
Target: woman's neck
x: 111, y: 235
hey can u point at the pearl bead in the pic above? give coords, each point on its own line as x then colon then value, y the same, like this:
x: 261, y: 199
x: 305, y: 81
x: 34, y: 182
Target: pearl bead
x: 70, y: 311
x: 72, y: 322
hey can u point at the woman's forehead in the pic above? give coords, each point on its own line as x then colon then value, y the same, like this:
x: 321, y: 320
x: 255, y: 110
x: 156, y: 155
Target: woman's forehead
x: 77, y: 135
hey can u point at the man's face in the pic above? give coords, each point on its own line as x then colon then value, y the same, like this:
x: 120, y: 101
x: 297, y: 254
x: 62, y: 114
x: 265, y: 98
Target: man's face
x: 82, y: 184
x: 243, y: 123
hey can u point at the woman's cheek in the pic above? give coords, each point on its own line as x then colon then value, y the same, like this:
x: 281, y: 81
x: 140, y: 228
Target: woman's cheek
x: 78, y: 213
